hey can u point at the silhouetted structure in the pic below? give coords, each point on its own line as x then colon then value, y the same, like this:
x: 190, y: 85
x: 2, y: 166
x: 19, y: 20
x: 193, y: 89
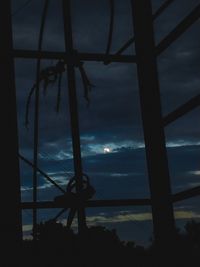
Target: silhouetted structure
x: 73, y: 108
x: 10, y: 223
x: 162, y: 209
x: 153, y: 122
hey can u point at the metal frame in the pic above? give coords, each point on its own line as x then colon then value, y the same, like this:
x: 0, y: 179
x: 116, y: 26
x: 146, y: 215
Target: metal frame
x: 146, y: 52
x: 154, y: 136
x: 183, y: 195
x: 10, y: 224
x: 73, y: 107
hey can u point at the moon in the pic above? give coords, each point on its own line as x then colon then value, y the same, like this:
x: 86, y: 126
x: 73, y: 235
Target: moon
x: 106, y: 150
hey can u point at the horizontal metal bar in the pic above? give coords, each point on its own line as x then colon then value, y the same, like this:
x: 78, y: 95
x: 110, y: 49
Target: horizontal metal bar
x: 193, y: 192
x: 90, y: 203
x: 182, y: 110
x: 185, y: 24
x: 111, y: 202
x: 31, y: 54
x: 164, y: 44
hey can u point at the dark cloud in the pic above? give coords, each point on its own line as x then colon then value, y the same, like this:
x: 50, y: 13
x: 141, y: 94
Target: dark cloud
x: 123, y: 173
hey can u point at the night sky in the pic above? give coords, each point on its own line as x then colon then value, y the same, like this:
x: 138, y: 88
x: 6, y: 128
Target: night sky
x: 111, y: 127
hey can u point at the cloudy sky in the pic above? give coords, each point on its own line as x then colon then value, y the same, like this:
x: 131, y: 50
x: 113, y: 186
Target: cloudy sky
x: 113, y: 149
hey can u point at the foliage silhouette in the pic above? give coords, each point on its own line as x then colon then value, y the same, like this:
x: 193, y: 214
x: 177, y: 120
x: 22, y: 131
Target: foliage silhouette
x: 56, y: 245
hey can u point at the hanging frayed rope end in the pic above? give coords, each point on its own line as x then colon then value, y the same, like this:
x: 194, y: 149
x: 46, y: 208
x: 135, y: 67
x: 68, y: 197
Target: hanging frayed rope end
x: 60, y: 67
x: 48, y: 76
x: 86, y: 83
x: 26, y: 123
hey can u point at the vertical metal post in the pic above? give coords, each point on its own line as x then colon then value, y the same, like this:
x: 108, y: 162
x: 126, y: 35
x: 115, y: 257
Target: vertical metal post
x: 73, y: 106
x: 36, y: 121
x: 10, y: 223
x: 162, y: 209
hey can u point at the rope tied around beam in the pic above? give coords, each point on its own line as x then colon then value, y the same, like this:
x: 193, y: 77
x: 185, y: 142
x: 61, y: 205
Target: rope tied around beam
x: 53, y: 74
x: 87, y: 85
x: 74, y: 198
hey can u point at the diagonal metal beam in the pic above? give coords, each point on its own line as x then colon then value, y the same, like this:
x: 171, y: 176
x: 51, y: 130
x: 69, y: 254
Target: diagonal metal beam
x: 184, y: 25
x: 175, y: 34
x: 162, y: 8
x: 158, y: 12
x: 193, y: 192
x: 42, y: 173
x: 182, y: 110
x: 59, y: 214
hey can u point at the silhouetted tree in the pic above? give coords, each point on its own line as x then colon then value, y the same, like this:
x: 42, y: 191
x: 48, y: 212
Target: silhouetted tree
x: 58, y: 246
